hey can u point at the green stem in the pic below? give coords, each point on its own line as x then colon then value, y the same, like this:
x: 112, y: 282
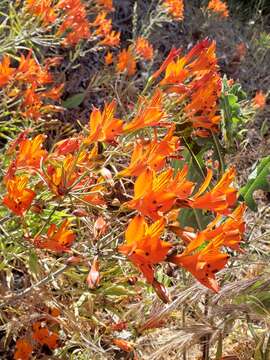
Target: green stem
x: 198, y: 220
x: 219, y: 152
x: 194, y: 158
x: 147, y: 86
x: 206, y: 338
x: 47, y: 221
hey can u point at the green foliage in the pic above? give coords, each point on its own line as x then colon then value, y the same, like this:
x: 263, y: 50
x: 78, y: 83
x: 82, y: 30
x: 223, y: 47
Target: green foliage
x: 258, y: 179
x: 234, y: 120
x: 73, y: 101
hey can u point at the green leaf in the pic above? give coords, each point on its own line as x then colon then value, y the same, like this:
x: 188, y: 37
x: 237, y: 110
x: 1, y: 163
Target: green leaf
x: 187, y: 217
x: 258, y: 354
x: 195, y: 161
x: 33, y: 262
x: 258, y: 179
x: 73, y: 101
x: 117, y: 290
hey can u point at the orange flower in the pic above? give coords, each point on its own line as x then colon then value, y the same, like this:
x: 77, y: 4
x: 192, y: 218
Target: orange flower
x: 155, y: 194
x: 199, y: 61
x: 218, y: 7
x: 103, y: 125
x: 42, y: 9
x: 109, y: 58
x: 172, y: 54
x: 104, y: 29
x: 202, y: 57
x: 203, y: 264
x: 61, y: 174
x: 57, y: 239
x: 30, y: 153
x: 176, y: 74
x: 45, y: 337
x: 175, y: 8
x: 102, y: 24
x: 107, y: 4
x: 143, y: 245
x: 67, y: 146
x: 202, y: 110
x: 75, y: 25
x: 29, y: 71
x: 126, y: 62
x: 111, y: 39
x: 95, y: 196
x: 226, y: 233
x: 6, y: 71
x: 232, y: 228
x: 144, y: 49
x: 259, y: 100
x: 195, y: 77
x: 150, y: 112
x: 151, y: 155
x: 20, y: 138
x: 54, y: 93
x: 18, y: 198
x: 221, y: 198
x: 123, y: 345
x: 202, y: 256
x: 29, y: 79
x: 23, y: 350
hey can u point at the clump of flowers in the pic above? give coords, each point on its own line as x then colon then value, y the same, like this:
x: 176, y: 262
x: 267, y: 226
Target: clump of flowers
x: 144, y: 49
x: 219, y: 7
x: 71, y: 21
x: 259, y: 100
x: 175, y: 8
x: 71, y: 170
x: 30, y: 84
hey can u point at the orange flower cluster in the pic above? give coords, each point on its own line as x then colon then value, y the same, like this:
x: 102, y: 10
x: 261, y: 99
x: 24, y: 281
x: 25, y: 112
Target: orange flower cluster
x: 175, y: 8
x: 108, y: 58
x: 23, y: 350
x: 43, y: 9
x: 203, y: 256
x: 19, y: 197
x: 58, y: 240
x: 24, y: 83
x: 74, y: 25
x: 259, y: 100
x: 127, y: 57
x: 143, y: 245
x: 151, y: 154
x: 106, y: 4
x: 219, y: 7
x: 144, y: 49
x: 103, y: 29
x: 150, y: 113
x: 195, y: 79
x: 155, y: 195
x: 86, y: 171
x: 126, y: 62
x: 40, y: 335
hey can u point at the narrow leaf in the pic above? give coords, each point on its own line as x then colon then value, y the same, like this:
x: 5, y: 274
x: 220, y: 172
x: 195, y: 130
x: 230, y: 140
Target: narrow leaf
x: 258, y: 179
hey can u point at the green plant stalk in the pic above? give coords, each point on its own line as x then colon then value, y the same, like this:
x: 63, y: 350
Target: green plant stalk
x: 219, y: 152
x: 206, y: 339
x: 198, y: 220
x: 219, y: 346
x: 196, y: 162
